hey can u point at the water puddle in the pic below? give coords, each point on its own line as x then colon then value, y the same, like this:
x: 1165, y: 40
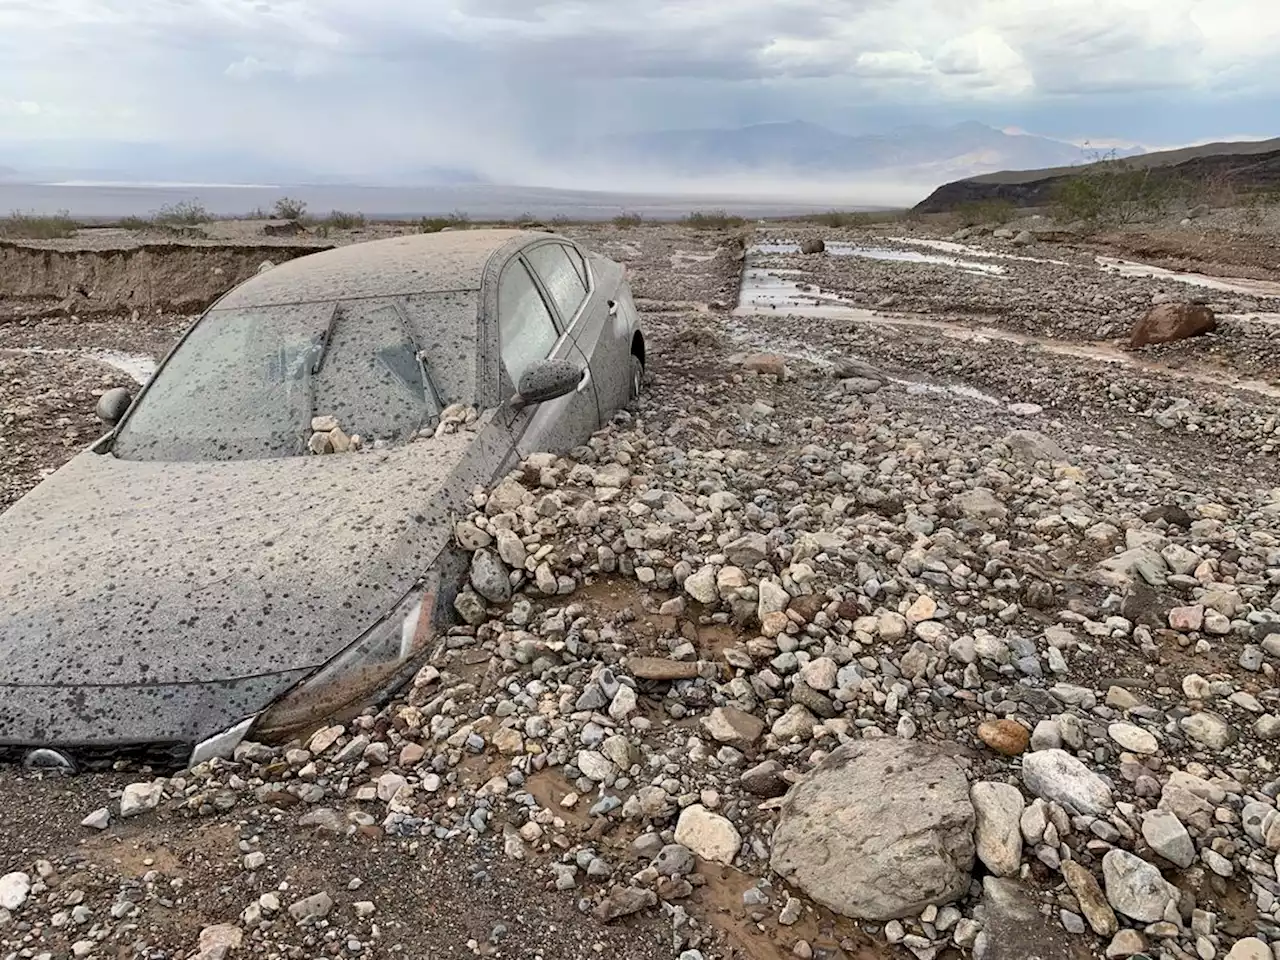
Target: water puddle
x: 1267, y: 319
x: 962, y: 249
x: 137, y: 366
x: 1255, y: 288
x: 689, y: 258
x: 837, y: 249
x: 770, y: 292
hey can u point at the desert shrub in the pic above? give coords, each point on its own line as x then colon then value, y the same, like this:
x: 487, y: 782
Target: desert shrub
x: 627, y: 220
x: 1257, y: 204
x: 38, y: 226
x: 713, y: 220
x: 182, y: 213
x: 339, y: 220
x: 1113, y: 192
x: 971, y: 213
x: 435, y: 224
x: 133, y: 223
x: 286, y: 208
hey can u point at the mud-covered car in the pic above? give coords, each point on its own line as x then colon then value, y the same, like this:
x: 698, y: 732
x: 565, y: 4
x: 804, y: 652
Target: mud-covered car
x: 264, y: 537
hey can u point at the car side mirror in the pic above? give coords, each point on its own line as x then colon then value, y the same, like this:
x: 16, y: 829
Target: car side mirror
x: 547, y: 380
x: 113, y: 404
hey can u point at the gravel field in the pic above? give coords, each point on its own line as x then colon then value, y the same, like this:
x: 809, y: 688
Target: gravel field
x: 909, y: 614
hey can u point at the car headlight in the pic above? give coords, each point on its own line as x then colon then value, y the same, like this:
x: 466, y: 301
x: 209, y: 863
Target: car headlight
x: 377, y: 663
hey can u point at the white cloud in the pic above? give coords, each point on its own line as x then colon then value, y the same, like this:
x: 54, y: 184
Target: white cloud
x: 405, y: 79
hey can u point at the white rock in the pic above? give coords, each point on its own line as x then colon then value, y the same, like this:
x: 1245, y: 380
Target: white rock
x: 1135, y: 887
x: 624, y: 703
x: 998, y: 834
x: 773, y: 598
x: 1209, y: 729
x: 820, y: 674
x: 1250, y: 948
x: 14, y: 889
x: 701, y: 586
x: 1057, y: 776
x: 100, y: 819
x: 140, y: 797
x: 594, y: 765
x: 1166, y: 835
x: 1133, y: 738
x: 708, y: 834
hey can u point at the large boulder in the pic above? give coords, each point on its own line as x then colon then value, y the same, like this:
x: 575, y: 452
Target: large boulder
x: 880, y: 829
x: 1169, y: 322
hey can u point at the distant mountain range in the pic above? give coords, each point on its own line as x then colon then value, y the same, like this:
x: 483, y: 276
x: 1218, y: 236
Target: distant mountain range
x: 916, y: 154
x: 130, y: 162
x: 781, y: 152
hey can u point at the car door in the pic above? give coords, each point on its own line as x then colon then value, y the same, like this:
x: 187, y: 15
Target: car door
x: 529, y: 331
x: 583, y: 305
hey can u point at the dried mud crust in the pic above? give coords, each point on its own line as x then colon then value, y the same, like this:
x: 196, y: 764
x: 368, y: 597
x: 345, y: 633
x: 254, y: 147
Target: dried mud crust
x: 432, y: 899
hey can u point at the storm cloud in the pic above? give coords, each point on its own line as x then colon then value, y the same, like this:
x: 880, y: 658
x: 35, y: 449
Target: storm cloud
x: 359, y: 86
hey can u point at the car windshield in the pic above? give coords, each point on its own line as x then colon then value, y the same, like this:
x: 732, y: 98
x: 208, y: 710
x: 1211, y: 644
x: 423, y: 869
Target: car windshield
x: 247, y: 383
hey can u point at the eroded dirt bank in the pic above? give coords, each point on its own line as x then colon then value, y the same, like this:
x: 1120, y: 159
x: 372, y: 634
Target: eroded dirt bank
x: 170, y: 276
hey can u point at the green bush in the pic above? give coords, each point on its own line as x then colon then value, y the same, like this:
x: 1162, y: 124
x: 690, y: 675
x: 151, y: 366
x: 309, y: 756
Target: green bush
x: 338, y: 220
x: 36, y: 226
x: 435, y: 224
x: 627, y: 220
x: 713, y: 220
x: 971, y: 213
x: 183, y: 213
x: 286, y: 208
x: 1113, y: 192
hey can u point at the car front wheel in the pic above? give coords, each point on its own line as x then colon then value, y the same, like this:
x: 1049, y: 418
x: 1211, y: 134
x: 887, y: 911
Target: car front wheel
x: 637, y: 377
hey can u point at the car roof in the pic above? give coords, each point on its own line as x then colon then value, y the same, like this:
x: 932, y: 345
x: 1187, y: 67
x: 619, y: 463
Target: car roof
x: 452, y: 260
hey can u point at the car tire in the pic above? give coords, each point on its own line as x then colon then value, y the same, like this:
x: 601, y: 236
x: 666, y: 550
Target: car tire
x: 637, y: 377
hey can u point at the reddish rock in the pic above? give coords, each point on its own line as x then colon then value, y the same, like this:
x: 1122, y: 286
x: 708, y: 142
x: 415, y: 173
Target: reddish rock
x: 1169, y: 322
x: 1187, y: 619
x: 1005, y: 736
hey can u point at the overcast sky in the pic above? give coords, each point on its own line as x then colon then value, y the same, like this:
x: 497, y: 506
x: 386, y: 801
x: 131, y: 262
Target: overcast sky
x: 362, y: 84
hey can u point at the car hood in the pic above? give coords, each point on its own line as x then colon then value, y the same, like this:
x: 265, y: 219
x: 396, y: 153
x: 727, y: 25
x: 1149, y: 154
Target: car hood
x: 126, y: 572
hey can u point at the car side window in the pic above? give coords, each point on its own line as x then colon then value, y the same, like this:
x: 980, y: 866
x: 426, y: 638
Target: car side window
x: 526, y: 329
x: 563, y: 280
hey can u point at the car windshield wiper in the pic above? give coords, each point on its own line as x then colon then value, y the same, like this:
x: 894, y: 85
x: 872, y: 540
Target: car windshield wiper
x: 428, y: 385
x: 326, y: 339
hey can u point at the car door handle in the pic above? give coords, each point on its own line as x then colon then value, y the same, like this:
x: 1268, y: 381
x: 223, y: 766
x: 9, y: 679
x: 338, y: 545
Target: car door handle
x: 586, y: 379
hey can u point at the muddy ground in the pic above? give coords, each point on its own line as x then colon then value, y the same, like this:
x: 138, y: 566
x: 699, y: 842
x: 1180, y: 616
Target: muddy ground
x: 995, y: 335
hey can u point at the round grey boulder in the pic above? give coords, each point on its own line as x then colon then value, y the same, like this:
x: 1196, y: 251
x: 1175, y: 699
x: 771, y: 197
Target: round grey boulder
x: 880, y: 829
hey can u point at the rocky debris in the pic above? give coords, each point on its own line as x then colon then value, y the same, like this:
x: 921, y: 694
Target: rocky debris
x: 880, y: 829
x: 707, y: 834
x: 14, y: 889
x: 1055, y: 775
x: 816, y: 245
x: 810, y: 547
x: 998, y: 836
x: 1135, y: 888
x: 328, y: 437
x: 140, y: 797
x: 1170, y: 322
x: 1013, y: 928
